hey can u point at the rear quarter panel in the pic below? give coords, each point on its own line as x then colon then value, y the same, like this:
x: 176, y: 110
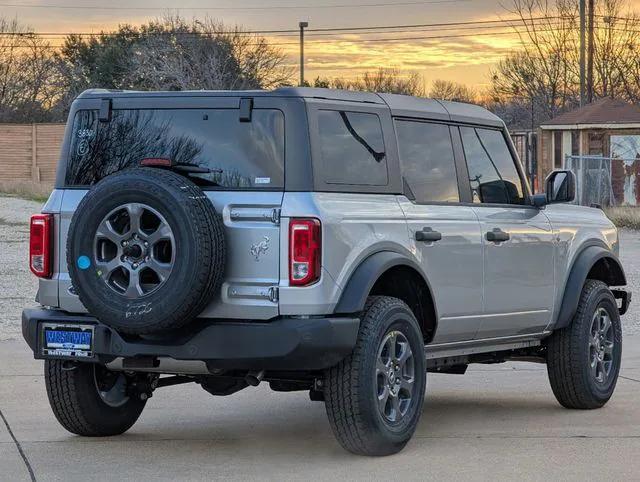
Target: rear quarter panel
x: 354, y: 226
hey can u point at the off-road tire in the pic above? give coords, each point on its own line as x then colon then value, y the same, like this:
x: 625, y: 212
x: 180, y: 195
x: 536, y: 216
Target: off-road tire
x: 198, y: 267
x: 349, y: 387
x: 568, y: 359
x: 77, y: 405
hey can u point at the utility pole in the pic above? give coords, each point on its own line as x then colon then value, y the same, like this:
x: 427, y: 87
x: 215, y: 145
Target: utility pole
x: 582, y: 53
x: 302, y: 26
x: 590, y: 52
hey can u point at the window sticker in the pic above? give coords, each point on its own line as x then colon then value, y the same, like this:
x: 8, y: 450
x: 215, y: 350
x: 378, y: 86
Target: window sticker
x: 84, y: 136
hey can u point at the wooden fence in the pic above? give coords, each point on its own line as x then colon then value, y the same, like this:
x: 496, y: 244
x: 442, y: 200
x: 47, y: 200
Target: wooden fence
x: 29, y: 152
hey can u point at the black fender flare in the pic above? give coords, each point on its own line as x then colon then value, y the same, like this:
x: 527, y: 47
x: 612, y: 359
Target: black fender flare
x: 355, y: 293
x: 583, y: 263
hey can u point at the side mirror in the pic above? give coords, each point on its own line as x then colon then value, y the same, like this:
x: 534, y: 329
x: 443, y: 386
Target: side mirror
x: 560, y: 187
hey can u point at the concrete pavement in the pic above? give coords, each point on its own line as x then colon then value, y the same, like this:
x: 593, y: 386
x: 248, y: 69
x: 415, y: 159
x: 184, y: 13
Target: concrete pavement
x: 496, y: 422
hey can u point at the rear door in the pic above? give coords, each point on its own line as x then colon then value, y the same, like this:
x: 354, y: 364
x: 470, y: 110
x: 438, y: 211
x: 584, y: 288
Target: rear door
x: 240, y: 143
x: 517, y: 237
x: 445, y: 232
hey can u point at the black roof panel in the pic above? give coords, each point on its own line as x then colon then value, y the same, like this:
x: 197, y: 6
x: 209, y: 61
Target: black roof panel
x: 400, y: 105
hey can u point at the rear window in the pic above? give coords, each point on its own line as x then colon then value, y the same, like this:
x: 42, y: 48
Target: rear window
x: 238, y: 155
x: 352, y: 148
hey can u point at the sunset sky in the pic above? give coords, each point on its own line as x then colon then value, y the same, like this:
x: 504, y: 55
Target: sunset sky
x: 464, y: 59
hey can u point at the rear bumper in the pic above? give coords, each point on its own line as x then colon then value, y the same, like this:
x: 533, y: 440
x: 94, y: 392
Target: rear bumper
x: 290, y: 344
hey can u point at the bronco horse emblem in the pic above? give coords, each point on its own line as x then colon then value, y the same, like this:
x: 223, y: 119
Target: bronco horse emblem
x: 260, y: 248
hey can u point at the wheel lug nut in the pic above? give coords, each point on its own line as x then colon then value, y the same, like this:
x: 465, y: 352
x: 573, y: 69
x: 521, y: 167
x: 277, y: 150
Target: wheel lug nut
x: 135, y: 265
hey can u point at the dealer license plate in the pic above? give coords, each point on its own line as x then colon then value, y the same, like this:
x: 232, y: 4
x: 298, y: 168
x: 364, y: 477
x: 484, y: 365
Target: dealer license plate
x: 64, y: 340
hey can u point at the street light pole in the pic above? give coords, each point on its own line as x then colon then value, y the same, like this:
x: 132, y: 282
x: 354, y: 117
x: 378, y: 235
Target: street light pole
x: 302, y: 26
x: 590, y: 40
x: 582, y: 51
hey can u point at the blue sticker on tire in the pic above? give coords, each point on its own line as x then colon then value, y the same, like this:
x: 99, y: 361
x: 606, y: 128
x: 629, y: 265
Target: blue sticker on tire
x: 84, y: 262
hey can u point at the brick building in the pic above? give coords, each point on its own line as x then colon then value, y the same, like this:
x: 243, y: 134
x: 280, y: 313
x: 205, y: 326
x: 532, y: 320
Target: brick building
x: 608, y: 129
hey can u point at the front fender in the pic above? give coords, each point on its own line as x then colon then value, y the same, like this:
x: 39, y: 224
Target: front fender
x: 578, y: 275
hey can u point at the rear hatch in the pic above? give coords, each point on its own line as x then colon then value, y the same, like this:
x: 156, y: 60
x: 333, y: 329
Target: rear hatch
x: 241, y: 148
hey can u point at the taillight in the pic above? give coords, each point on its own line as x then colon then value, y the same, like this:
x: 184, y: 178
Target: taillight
x: 304, y: 251
x: 40, y: 245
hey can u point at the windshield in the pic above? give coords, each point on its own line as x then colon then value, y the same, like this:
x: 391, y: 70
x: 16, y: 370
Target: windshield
x: 237, y: 155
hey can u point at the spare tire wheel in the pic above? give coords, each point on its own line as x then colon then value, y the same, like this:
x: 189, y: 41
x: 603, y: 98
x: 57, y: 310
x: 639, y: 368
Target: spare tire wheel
x: 145, y: 251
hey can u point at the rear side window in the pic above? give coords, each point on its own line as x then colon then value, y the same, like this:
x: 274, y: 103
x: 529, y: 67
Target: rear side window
x: 352, y: 148
x: 426, y: 157
x: 492, y: 173
x: 238, y: 155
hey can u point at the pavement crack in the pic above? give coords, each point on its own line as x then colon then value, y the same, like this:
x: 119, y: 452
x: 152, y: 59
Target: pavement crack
x: 630, y: 379
x: 19, y: 447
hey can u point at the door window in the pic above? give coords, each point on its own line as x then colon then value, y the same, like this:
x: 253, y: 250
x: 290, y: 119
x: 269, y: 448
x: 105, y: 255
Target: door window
x: 426, y: 157
x: 492, y: 171
x: 352, y: 148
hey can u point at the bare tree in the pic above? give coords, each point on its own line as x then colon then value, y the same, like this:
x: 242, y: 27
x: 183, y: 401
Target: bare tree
x: 616, y: 64
x: 385, y: 80
x: 26, y: 66
x: 545, y: 67
x: 170, y: 54
x: 448, y: 90
x: 544, y: 72
x: 173, y: 54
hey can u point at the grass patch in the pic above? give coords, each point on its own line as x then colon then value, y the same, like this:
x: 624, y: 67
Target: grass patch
x: 4, y: 222
x: 26, y: 190
x: 624, y: 217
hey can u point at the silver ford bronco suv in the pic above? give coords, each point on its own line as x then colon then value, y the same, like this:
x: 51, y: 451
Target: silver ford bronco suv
x: 342, y: 243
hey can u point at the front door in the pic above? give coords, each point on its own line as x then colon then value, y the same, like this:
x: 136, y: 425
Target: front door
x: 518, y: 270
x: 518, y: 248
x: 446, y: 234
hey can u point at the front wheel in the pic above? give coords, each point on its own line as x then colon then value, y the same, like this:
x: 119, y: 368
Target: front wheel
x: 583, y: 359
x: 89, y: 400
x: 374, y: 397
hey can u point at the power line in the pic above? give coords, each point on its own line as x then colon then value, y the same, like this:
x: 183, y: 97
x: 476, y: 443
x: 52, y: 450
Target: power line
x: 398, y: 39
x: 266, y: 7
x: 342, y: 34
x: 344, y: 30
x: 476, y: 27
x: 471, y: 22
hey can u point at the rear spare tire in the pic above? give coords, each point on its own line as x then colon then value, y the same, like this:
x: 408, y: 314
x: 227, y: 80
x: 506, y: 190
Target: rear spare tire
x: 145, y: 251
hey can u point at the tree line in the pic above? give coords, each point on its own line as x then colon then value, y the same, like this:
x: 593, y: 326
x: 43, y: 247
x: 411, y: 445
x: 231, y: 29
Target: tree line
x: 38, y: 83
x: 539, y: 80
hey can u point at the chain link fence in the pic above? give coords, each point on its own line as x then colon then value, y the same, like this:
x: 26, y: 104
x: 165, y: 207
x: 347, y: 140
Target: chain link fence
x: 605, y: 181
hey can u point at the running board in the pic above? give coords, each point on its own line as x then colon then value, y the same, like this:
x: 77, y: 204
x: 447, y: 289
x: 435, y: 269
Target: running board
x: 487, y: 345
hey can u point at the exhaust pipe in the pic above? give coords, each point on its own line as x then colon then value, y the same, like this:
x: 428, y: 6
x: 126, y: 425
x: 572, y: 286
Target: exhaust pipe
x: 254, y: 378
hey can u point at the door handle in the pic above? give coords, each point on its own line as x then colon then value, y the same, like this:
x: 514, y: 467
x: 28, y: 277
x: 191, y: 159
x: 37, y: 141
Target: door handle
x: 428, y: 235
x: 497, y: 236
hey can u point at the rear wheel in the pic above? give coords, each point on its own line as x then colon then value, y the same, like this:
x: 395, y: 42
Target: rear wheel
x: 90, y: 400
x: 374, y: 397
x: 583, y: 359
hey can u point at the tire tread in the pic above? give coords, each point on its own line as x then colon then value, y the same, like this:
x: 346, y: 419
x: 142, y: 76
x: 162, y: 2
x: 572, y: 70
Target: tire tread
x: 342, y: 385
x: 565, y: 363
